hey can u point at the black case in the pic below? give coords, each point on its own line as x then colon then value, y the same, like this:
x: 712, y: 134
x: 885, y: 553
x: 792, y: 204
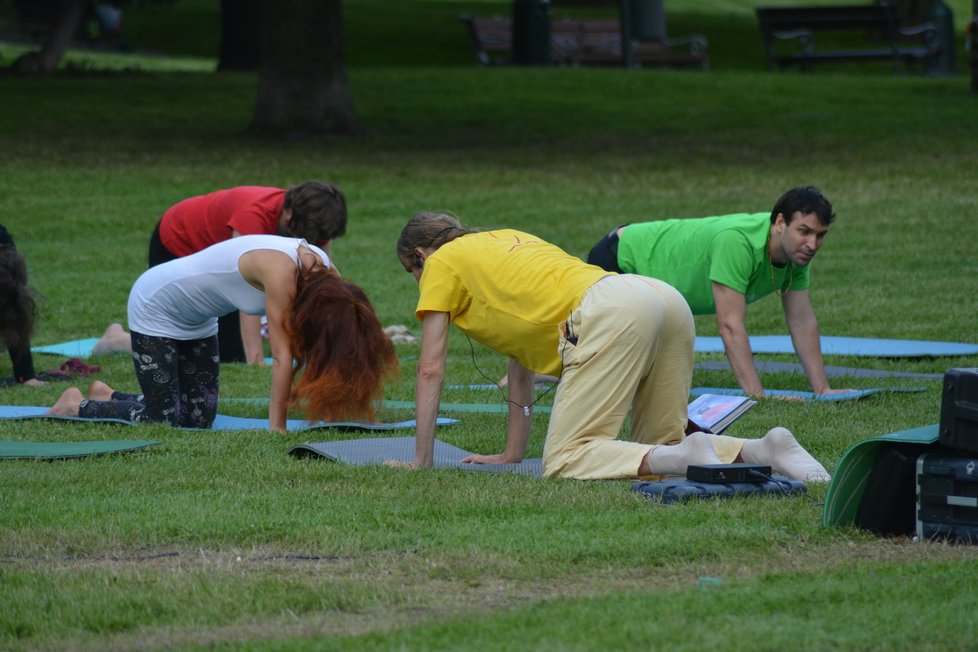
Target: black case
x: 947, y: 497
x: 959, y: 410
x: 887, y: 507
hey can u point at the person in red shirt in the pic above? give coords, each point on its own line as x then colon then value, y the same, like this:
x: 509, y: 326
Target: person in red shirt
x: 314, y: 211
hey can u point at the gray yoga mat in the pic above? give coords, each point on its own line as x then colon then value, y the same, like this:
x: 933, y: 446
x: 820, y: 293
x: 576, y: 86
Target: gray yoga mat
x: 808, y: 396
x: 796, y: 368
x: 362, y: 452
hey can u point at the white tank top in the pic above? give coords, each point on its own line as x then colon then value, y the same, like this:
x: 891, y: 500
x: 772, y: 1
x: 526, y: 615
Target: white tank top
x: 183, y: 298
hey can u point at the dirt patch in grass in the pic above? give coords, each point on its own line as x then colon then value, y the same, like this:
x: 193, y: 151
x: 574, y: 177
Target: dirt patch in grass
x: 424, y: 589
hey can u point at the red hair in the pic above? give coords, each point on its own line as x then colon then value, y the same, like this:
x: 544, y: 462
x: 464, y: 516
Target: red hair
x: 339, y: 346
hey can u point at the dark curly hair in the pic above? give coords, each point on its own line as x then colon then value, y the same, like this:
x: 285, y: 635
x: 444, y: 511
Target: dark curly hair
x: 318, y: 211
x: 18, y: 308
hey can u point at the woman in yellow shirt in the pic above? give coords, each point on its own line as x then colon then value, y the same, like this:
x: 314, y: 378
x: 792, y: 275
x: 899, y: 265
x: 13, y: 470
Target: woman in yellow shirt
x: 620, y: 344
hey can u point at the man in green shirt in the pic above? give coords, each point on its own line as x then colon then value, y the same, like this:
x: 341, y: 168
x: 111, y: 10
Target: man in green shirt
x: 720, y: 264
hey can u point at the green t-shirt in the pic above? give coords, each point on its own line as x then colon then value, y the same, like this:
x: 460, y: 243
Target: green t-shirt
x: 689, y: 254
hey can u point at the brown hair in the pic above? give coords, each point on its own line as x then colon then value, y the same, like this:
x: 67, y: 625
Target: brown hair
x: 18, y: 308
x: 339, y: 346
x: 318, y: 211
x: 427, y: 231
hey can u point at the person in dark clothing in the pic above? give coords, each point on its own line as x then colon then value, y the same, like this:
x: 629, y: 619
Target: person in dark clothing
x: 18, y: 310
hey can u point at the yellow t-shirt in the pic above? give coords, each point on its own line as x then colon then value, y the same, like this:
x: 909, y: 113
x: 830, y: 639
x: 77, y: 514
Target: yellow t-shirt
x: 508, y: 290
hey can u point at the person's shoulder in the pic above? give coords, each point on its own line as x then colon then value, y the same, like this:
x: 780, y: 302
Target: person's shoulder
x: 738, y: 220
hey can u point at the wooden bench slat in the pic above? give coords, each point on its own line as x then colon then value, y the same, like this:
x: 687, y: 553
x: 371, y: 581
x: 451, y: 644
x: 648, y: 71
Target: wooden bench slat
x: 801, y: 23
x: 577, y: 42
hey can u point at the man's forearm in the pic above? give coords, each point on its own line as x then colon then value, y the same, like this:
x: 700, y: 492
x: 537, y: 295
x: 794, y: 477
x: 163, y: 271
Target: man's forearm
x: 737, y: 346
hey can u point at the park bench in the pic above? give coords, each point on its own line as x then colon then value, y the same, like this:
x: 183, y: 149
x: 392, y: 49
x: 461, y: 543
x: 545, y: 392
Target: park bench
x: 580, y: 42
x: 878, y: 27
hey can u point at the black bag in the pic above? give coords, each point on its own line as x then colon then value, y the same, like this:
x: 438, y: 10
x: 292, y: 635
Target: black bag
x: 959, y: 410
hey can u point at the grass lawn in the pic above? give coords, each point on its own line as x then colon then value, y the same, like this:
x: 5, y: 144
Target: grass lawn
x: 222, y: 540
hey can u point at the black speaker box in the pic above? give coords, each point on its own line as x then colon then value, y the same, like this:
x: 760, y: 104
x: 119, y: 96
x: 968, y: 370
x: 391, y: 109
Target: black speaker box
x: 959, y: 410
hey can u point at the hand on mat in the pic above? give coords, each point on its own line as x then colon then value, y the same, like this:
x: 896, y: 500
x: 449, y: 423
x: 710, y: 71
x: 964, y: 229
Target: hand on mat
x: 784, y: 397
x: 399, y: 464
x: 486, y: 459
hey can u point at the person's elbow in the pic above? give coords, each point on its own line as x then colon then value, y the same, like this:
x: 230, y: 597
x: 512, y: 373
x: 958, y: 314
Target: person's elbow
x: 431, y: 373
x: 729, y: 326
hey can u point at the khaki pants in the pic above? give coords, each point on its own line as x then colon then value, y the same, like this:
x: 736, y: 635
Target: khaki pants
x: 634, y: 351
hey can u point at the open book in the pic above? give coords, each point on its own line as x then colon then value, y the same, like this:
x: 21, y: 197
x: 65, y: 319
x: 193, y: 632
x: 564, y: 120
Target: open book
x: 714, y: 412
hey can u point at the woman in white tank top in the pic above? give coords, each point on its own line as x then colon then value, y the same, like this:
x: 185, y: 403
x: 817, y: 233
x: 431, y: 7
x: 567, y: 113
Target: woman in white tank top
x: 318, y: 324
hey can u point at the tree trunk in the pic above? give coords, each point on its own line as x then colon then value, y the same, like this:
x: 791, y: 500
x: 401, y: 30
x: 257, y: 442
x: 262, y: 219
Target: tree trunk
x: 59, y: 38
x: 302, y: 80
x: 240, y: 35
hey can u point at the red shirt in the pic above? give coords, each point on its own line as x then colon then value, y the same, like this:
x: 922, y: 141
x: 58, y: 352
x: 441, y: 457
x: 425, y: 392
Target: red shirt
x: 198, y: 222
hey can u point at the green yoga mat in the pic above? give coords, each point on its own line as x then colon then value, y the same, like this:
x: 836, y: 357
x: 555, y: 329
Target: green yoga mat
x: 851, y: 475
x: 62, y: 450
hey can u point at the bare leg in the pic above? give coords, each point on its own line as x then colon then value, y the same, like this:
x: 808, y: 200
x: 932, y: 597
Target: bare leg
x: 672, y: 459
x: 67, y: 405
x: 99, y: 391
x: 781, y: 451
x: 114, y: 340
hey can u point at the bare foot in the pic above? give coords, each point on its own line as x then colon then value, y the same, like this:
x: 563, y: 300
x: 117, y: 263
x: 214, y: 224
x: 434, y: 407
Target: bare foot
x: 67, y: 405
x: 114, y: 340
x: 99, y: 391
x: 34, y: 382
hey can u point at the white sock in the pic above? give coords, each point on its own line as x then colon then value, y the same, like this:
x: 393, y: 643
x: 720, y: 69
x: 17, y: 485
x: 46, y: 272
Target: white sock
x: 781, y: 451
x: 672, y: 459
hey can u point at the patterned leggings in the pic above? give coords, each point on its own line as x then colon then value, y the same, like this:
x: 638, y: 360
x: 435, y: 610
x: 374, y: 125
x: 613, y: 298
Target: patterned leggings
x: 179, y: 379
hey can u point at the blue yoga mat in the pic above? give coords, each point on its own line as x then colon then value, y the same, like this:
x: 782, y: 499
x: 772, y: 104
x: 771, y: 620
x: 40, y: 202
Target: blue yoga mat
x: 72, y: 349
x: 808, y: 396
x: 79, y: 349
x: 677, y: 490
x: 225, y: 422
x: 859, y: 346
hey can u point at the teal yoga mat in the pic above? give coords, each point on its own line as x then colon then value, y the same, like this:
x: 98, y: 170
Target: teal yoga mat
x: 72, y: 349
x: 62, y: 450
x: 852, y: 473
x: 856, y: 346
x: 374, y: 451
x: 225, y: 422
x: 479, y: 408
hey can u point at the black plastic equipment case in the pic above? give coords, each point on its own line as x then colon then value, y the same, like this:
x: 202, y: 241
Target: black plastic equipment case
x: 959, y: 410
x: 947, y: 497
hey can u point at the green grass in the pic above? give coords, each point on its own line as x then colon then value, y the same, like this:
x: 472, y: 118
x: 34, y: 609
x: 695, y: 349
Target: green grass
x: 220, y: 539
